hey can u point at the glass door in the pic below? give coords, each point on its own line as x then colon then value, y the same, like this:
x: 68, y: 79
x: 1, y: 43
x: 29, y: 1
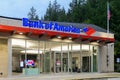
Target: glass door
x: 65, y: 62
x: 56, y: 58
x: 85, y: 63
x: 18, y: 56
x: 94, y: 54
x: 86, y: 58
x: 47, y: 52
x: 65, y: 58
x: 58, y: 62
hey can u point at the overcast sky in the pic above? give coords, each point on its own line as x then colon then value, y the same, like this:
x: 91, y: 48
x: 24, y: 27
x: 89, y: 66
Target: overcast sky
x: 20, y: 8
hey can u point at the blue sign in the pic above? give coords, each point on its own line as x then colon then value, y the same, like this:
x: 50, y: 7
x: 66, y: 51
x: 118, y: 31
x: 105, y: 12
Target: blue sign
x: 51, y: 26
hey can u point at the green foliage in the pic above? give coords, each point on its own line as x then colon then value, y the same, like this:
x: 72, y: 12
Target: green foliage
x: 117, y: 48
x: 115, y: 18
x: 55, y: 13
x: 87, y: 11
x: 32, y: 14
x: 62, y: 15
x: 77, y: 11
x: 48, y: 15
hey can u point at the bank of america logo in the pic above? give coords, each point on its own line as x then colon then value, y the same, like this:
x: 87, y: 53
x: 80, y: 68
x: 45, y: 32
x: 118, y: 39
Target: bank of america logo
x: 89, y: 31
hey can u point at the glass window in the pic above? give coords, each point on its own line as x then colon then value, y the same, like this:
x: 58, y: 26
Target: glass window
x: 56, y: 57
x: 41, y: 56
x: 76, y: 58
x: 47, y: 52
x: 32, y: 54
x: 86, y: 58
x: 18, y: 57
x: 95, y: 57
x: 65, y: 59
x: 31, y: 57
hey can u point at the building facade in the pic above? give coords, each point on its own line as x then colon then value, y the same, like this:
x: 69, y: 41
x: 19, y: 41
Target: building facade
x: 34, y: 47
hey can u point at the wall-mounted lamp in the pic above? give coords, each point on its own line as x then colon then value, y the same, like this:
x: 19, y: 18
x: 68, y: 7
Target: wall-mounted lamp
x: 59, y: 37
x: 70, y: 38
x: 20, y: 33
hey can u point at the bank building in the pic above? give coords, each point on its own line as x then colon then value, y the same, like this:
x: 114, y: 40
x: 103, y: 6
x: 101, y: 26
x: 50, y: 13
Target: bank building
x: 30, y: 47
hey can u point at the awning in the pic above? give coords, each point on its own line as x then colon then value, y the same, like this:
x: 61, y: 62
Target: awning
x: 17, y: 29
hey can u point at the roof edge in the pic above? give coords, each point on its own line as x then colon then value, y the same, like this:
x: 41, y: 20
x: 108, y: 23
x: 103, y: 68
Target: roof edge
x: 11, y: 18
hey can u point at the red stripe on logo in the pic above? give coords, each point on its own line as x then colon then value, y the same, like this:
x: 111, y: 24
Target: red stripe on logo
x: 90, y: 31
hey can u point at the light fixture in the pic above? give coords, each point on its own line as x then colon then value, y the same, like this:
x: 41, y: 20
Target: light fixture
x: 59, y: 37
x: 20, y: 33
x: 21, y: 43
x: 69, y: 37
x: 32, y: 51
x: 73, y: 48
x: 29, y: 33
x: 56, y: 36
x: 99, y: 40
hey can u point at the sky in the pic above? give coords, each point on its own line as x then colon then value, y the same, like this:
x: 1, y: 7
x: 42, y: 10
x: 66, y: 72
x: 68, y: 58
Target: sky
x: 20, y: 8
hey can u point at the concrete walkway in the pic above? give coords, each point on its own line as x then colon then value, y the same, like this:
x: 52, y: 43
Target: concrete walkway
x: 65, y: 76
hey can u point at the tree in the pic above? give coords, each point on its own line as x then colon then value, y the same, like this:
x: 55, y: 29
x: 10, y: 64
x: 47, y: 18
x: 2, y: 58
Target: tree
x: 115, y: 25
x: 54, y: 12
x: 62, y: 15
x: 77, y: 11
x: 97, y: 12
x: 32, y: 14
x: 48, y: 15
x: 115, y: 18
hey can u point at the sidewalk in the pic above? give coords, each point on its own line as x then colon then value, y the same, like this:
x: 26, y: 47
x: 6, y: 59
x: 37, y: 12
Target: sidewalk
x: 64, y: 76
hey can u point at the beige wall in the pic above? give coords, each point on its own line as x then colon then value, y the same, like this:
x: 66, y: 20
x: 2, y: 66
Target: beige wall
x: 3, y: 57
x: 111, y: 58
x: 103, y: 58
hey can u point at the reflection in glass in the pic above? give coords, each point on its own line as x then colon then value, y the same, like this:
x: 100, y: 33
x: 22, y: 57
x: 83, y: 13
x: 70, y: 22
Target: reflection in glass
x: 18, y: 58
x: 41, y: 56
x: 86, y: 58
x: 65, y: 57
x: 48, y: 57
x: 75, y: 57
x: 95, y: 58
x: 56, y: 57
x: 47, y: 51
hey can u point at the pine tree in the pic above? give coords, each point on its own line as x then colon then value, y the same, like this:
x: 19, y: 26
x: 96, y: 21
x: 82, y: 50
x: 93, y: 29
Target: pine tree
x: 55, y: 13
x: 76, y: 11
x: 48, y: 15
x: 62, y: 15
x: 32, y: 14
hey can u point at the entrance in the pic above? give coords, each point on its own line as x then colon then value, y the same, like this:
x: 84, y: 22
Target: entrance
x: 35, y: 57
x: 57, y: 63
x: 60, y: 62
x: 59, y: 57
